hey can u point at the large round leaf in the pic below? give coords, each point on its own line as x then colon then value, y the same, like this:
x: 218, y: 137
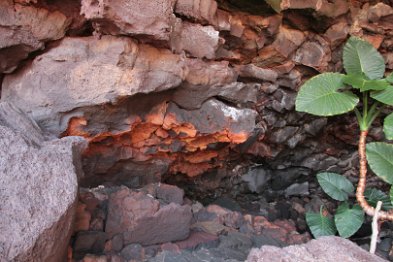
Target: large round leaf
x: 380, y: 159
x: 360, y: 57
x: 358, y: 81
x: 384, y: 96
x: 388, y: 126
x: 348, y: 220
x: 336, y: 186
x: 374, y: 195
x: 320, y: 225
x: 389, y: 78
x: 320, y: 96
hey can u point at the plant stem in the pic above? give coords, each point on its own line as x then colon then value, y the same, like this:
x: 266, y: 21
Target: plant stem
x: 369, y: 210
x: 374, y: 235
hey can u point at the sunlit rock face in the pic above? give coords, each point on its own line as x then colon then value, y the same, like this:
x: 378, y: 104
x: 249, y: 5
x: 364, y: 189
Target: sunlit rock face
x: 164, y: 87
x: 102, y: 90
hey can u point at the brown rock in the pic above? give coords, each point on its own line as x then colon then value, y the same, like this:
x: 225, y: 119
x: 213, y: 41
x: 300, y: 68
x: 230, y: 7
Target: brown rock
x: 152, y: 18
x: 199, y: 41
x: 94, y: 258
x: 329, y: 249
x: 314, y: 54
x: 337, y: 33
x: 25, y: 29
x: 202, y: 11
x: 170, y: 194
x: 196, y: 238
x: 378, y: 11
x: 286, y: 42
x: 133, y: 252
x: 140, y: 219
x: 106, y: 69
x: 92, y: 242
x: 82, y: 218
x: 253, y: 71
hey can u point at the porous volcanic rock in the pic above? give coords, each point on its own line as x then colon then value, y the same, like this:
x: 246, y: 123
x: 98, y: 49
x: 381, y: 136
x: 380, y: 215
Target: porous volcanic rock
x: 329, y: 249
x: 151, y: 18
x: 25, y: 29
x: 83, y: 72
x: 38, y: 191
x: 141, y: 219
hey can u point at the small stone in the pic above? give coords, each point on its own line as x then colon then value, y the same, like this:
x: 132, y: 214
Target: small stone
x: 90, y: 242
x: 196, y: 239
x: 93, y: 258
x: 170, y: 247
x: 257, y: 179
x: 379, y: 10
x: 253, y: 71
x: 170, y: 194
x: 133, y: 252
x: 117, y: 242
x: 297, y: 189
x: 82, y: 218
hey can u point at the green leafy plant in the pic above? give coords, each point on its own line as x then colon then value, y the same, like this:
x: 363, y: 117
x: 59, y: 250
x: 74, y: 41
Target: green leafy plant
x: 329, y: 94
x: 347, y: 220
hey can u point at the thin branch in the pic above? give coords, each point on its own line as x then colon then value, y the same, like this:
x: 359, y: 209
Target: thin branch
x: 374, y: 236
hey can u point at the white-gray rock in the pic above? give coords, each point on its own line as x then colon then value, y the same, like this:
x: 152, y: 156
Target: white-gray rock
x: 326, y: 249
x: 38, y: 190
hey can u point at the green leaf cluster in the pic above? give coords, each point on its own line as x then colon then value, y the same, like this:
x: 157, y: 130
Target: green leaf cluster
x: 347, y: 220
x: 330, y: 94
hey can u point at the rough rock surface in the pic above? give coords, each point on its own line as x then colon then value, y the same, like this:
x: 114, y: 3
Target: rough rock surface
x: 38, y: 190
x: 137, y: 95
x: 329, y: 249
x: 151, y: 18
x: 145, y: 224
x: 140, y: 219
x: 25, y: 29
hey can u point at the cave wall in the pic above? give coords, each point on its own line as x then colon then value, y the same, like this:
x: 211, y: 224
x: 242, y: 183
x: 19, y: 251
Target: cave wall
x: 188, y: 86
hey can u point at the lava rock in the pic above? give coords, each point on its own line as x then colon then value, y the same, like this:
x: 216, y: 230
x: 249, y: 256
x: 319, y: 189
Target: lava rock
x: 92, y: 242
x: 329, y: 249
x: 257, y: 179
x: 170, y: 194
x: 106, y: 69
x: 25, y: 29
x: 200, y: 11
x: 124, y: 17
x: 38, y: 193
x: 200, y: 41
x: 140, y: 219
x: 133, y: 252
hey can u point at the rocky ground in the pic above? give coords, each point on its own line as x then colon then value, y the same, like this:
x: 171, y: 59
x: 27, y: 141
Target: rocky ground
x: 196, y: 94
x: 157, y: 223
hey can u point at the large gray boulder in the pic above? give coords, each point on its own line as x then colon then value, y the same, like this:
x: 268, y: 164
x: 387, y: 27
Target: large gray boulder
x: 326, y: 249
x: 38, y: 190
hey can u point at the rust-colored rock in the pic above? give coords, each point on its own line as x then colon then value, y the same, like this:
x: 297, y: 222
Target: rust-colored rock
x: 25, y: 29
